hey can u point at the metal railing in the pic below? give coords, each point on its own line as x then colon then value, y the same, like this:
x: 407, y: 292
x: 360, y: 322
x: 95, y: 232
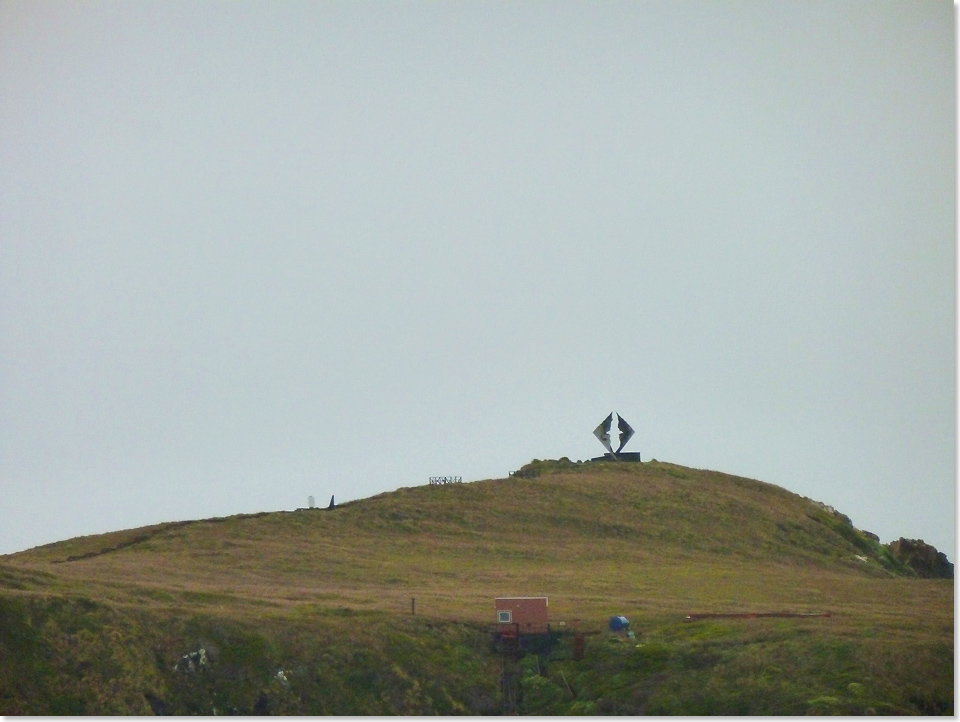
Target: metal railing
x: 446, y: 480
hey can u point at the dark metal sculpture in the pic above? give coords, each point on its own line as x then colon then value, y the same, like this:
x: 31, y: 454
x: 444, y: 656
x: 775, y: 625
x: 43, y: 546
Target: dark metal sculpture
x: 625, y: 432
x: 602, y: 432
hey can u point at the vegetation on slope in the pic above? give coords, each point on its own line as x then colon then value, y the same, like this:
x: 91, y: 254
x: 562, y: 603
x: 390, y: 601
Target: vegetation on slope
x: 309, y: 612
x: 73, y: 656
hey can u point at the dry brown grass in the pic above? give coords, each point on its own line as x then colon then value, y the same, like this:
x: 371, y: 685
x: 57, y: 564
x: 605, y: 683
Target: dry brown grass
x: 654, y: 542
x: 645, y: 540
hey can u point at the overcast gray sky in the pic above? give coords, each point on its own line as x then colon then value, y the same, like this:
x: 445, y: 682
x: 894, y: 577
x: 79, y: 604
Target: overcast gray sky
x: 253, y: 251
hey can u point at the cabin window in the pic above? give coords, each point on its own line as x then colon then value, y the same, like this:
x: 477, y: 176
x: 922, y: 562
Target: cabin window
x: 504, y: 617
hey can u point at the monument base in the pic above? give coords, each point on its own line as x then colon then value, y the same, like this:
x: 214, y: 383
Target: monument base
x: 633, y: 456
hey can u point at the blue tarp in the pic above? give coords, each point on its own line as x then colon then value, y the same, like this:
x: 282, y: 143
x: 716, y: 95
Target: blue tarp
x: 617, y: 623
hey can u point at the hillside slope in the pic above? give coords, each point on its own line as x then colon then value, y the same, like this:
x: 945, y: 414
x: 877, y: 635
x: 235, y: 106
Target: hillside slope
x: 653, y: 541
x: 560, y: 529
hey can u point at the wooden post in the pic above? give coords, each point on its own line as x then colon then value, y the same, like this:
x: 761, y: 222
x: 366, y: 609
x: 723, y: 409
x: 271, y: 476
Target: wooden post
x: 578, y: 645
x: 413, y: 606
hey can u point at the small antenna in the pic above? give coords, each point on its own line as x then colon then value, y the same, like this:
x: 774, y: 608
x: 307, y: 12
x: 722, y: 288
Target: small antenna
x: 310, y: 502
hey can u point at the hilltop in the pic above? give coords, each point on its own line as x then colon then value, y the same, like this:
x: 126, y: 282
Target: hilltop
x: 654, y: 541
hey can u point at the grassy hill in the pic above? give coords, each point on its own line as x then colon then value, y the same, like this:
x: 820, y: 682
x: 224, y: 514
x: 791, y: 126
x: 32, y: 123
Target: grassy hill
x: 309, y: 612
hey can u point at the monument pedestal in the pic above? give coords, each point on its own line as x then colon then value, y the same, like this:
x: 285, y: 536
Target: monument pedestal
x: 633, y: 456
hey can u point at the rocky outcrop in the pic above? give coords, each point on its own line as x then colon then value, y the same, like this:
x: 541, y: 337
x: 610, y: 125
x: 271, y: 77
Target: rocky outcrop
x: 922, y: 558
x: 830, y: 510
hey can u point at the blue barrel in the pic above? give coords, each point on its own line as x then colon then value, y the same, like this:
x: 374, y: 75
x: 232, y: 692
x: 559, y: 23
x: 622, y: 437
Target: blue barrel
x: 619, y: 622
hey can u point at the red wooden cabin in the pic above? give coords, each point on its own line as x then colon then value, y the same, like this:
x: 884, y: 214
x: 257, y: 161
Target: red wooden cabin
x: 521, y: 615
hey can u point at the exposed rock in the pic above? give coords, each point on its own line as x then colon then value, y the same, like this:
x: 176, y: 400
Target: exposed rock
x: 192, y: 661
x: 922, y: 558
x: 871, y: 535
x: 830, y: 510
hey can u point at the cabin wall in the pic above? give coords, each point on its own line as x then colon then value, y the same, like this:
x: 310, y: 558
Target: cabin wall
x: 528, y: 615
